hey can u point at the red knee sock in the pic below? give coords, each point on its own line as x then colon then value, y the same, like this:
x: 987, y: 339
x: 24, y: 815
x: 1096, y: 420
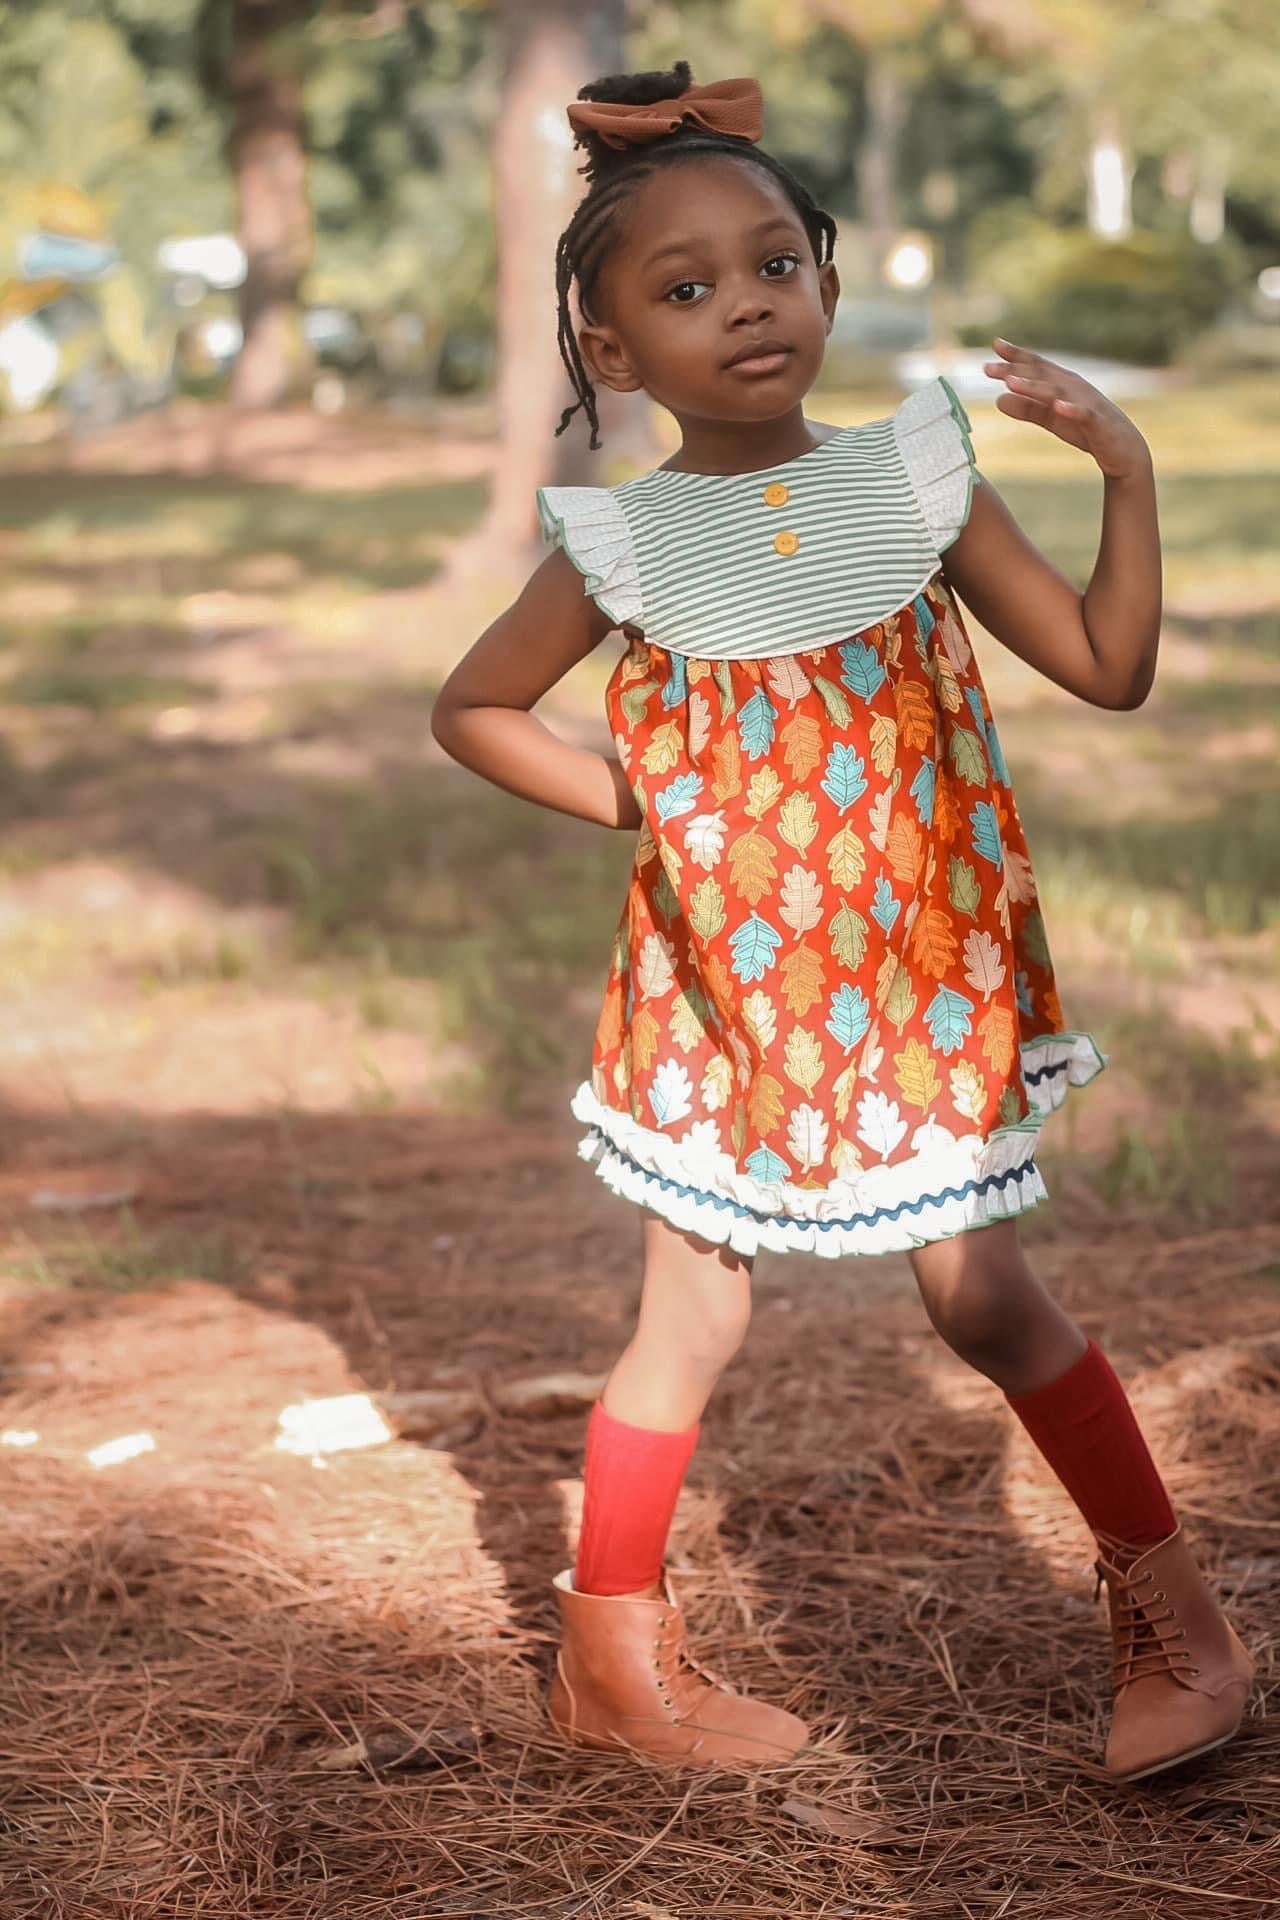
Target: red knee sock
x: 632, y: 1479
x: 1085, y: 1428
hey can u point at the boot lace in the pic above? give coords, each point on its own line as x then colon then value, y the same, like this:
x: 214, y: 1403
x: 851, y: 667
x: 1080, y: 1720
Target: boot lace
x: 1144, y: 1635
x: 676, y: 1671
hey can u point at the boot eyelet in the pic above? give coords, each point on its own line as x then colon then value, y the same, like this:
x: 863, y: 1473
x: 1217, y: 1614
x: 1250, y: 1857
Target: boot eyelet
x: 1158, y: 1596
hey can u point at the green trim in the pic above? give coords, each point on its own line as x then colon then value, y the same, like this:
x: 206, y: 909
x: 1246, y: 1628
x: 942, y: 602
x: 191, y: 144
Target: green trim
x: 550, y: 520
x: 1077, y: 1039
x: 965, y: 425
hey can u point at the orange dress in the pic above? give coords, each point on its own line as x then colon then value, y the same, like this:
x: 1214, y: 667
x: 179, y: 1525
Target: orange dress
x: 830, y: 1022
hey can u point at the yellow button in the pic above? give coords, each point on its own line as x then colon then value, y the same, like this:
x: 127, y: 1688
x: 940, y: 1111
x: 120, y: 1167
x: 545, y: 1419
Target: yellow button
x: 777, y: 495
x: 786, y: 542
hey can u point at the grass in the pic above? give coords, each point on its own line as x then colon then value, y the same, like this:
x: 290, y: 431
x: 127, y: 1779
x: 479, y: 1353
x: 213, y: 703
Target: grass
x: 67, y: 1259
x: 437, y: 908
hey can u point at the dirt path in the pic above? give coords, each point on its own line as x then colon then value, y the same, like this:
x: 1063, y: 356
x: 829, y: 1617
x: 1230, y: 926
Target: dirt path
x: 196, y: 1634
x: 243, y: 1167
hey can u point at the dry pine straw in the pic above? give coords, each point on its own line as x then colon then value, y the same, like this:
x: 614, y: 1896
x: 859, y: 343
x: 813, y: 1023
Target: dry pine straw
x: 194, y: 1641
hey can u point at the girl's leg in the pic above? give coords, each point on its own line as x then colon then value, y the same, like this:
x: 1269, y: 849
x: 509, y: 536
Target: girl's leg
x: 694, y: 1312
x: 1181, y: 1676
x: 623, y: 1674
x: 989, y: 1307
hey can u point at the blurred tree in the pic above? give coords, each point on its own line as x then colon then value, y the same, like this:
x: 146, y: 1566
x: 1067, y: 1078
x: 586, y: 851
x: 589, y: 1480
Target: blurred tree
x: 551, y: 47
x: 264, y: 90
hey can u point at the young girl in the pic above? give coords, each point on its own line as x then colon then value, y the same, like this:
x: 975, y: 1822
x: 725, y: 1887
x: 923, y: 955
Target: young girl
x: 830, y: 1022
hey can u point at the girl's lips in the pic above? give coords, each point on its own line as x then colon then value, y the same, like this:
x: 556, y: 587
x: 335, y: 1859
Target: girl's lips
x: 761, y: 363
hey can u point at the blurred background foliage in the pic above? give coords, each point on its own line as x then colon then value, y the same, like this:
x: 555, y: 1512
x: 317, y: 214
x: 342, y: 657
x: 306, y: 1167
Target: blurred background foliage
x: 978, y: 123
x: 221, y: 625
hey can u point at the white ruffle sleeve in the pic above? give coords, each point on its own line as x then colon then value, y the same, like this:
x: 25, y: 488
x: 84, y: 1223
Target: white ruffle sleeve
x: 592, y: 528
x: 932, y: 432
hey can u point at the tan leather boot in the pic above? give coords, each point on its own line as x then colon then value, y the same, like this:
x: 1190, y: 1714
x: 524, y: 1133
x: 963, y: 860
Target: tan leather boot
x: 625, y: 1680
x: 1181, y: 1674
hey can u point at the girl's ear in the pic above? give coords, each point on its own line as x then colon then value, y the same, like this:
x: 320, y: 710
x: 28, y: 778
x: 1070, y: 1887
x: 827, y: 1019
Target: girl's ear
x: 829, y: 290
x: 604, y: 355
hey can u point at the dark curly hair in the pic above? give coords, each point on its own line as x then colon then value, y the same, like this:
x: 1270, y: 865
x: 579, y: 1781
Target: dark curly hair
x: 613, y: 176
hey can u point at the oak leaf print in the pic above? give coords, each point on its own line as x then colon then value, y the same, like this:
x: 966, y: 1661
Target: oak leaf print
x: 915, y: 714
x: 655, y: 970
x: 880, y: 819
x: 670, y: 1094
x: 997, y: 1032
x: 803, y: 981
x: 717, y: 1083
x: 727, y: 761
x: 706, y: 910
x: 798, y: 821
x: 842, y: 1092
x: 645, y: 1035
x: 765, y: 789
x: 802, y: 745
x: 1018, y: 877
x: 946, y: 811
x: 848, y: 931
x: 789, y: 681
x: 686, y: 1020
x: 807, y: 1137
x: 800, y: 903
x: 846, y: 1159
x: 933, y: 942
x: 968, y: 1090
x: 752, y: 866
x: 962, y: 886
x: 983, y: 967
x: 803, y: 1060
x: 765, y: 1103
x: 900, y: 1002
x: 760, y: 1020
x: 904, y: 849
x: 917, y: 1079
x: 884, y: 744
x: 704, y: 839
x: 663, y: 749
x: 880, y: 1123
x: 699, y: 722
x: 846, y: 859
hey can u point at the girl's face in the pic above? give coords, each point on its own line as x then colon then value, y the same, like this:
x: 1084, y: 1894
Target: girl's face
x: 712, y: 258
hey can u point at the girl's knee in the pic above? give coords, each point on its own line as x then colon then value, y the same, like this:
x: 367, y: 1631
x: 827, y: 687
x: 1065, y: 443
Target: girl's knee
x: 697, y: 1300
x: 980, y: 1299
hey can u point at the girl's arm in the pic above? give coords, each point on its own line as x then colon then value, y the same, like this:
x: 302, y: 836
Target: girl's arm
x: 481, y: 715
x: 1100, y: 645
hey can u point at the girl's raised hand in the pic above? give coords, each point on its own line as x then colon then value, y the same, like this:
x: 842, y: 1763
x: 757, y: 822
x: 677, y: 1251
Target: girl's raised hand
x: 1063, y: 402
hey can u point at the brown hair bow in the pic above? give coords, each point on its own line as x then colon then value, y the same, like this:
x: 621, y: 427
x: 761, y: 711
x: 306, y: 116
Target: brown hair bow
x: 725, y: 106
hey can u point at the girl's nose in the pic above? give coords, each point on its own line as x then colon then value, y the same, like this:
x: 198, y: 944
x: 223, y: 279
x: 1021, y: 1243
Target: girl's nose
x: 750, y: 305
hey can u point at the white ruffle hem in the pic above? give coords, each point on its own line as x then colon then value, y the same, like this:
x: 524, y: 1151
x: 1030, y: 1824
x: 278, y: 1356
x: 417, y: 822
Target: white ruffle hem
x: 952, y: 1183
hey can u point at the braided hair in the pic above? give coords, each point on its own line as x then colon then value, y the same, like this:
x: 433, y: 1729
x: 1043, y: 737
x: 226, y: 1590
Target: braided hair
x: 612, y: 178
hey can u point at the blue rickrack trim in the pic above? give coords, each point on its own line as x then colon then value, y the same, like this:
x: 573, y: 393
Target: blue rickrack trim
x: 992, y: 1183
x: 1034, y: 1078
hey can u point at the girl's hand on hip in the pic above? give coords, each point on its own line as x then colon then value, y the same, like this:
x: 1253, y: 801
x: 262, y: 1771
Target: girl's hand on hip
x: 1063, y: 402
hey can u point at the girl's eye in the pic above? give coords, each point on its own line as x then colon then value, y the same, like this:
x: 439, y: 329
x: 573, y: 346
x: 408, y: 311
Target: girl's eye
x: 680, y: 289
x: 789, y: 259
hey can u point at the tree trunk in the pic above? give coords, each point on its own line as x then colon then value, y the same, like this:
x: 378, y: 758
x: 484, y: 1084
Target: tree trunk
x: 269, y: 161
x: 878, y: 163
x: 552, y: 47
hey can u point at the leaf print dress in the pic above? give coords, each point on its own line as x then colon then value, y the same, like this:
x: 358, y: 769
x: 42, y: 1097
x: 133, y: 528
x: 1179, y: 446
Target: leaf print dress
x: 830, y: 1022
